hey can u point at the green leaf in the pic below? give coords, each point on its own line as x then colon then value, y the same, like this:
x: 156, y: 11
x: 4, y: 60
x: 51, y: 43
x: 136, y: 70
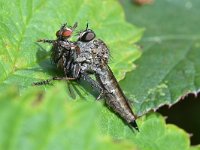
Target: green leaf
x: 170, y: 66
x: 34, y: 118
x: 38, y: 120
x: 195, y: 147
x: 23, y: 61
x: 49, y: 120
x: 156, y: 135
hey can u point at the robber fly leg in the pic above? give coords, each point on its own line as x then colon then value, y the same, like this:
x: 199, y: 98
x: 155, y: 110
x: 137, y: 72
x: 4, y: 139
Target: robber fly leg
x: 94, y: 84
x: 44, y: 82
x: 63, y: 78
x: 102, y: 93
x: 48, y: 81
x: 46, y: 41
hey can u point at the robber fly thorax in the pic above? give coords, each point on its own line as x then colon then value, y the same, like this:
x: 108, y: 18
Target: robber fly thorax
x: 93, y: 58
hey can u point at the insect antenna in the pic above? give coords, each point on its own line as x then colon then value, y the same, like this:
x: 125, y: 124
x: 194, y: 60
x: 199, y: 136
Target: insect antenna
x: 74, y: 26
x: 63, y: 26
x: 87, y: 25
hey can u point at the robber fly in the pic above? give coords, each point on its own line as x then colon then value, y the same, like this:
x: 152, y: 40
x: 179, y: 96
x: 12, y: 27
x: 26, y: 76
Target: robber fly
x: 93, y: 58
x: 84, y: 57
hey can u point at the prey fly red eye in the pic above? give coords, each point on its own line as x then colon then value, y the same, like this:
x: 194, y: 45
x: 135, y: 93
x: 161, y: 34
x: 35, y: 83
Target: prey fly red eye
x: 65, y: 33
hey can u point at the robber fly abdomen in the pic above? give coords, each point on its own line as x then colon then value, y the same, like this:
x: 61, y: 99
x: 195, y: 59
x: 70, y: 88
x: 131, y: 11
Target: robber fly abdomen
x: 115, y: 97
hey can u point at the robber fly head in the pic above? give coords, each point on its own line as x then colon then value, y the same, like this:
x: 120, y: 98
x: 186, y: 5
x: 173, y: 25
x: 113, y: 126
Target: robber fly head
x: 86, y: 35
x: 65, y: 32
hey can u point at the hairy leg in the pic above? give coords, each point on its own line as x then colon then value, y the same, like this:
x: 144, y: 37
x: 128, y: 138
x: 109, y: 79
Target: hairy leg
x: 46, y: 41
x: 94, y: 84
x: 48, y: 81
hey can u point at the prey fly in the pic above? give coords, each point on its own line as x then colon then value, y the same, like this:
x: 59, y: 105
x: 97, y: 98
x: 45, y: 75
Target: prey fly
x: 62, y: 54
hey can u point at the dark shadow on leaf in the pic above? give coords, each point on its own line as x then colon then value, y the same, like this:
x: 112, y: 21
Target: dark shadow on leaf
x: 45, y: 63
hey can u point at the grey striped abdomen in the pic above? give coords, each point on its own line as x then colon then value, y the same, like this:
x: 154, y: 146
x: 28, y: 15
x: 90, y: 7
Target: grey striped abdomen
x: 115, y: 98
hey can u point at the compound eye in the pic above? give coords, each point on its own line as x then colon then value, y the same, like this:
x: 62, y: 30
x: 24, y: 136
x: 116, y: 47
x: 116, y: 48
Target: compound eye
x: 67, y: 33
x: 87, y: 36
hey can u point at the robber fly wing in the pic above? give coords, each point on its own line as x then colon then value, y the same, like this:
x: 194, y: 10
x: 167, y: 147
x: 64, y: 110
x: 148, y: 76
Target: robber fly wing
x: 116, y: 85
x: 113, y: 80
